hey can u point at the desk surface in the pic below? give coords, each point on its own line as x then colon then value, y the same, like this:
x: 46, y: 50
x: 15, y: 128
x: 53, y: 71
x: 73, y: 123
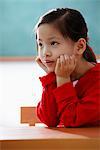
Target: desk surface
x: 54, y: 138
x: 41, y: 132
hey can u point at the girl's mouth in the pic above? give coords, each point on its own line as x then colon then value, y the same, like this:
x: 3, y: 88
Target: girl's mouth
x: 48, y: 62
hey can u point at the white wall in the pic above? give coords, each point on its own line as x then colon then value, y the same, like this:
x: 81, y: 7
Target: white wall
x: 19, y: 86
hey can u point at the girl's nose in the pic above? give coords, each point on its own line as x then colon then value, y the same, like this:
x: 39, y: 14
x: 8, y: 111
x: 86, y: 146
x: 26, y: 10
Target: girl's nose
x: 46, y: 52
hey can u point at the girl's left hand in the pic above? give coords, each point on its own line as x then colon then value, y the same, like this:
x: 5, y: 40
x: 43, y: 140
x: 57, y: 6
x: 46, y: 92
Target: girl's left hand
x: 65, y: 65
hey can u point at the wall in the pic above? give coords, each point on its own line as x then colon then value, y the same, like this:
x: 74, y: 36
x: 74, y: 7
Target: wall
x: 18, y: 17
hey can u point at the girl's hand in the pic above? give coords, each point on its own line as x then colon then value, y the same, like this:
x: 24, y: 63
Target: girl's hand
x: 65, y: 65
x: 38, y: 60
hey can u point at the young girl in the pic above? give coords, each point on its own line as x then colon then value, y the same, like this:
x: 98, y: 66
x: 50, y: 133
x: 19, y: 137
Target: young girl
x: 71, y: 87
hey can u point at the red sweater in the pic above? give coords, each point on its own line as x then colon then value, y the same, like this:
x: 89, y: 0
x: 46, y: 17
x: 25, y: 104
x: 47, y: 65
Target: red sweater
x: 69, y: 105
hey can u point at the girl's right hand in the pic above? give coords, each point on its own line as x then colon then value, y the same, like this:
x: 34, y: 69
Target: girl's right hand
x: 38, y: 60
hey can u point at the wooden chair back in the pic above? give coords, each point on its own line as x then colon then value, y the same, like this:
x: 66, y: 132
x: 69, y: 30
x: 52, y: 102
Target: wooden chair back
x: 28, y: 115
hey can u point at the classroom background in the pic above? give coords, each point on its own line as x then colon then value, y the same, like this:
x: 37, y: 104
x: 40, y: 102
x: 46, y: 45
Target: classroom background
x: 18, y: 18
x: 19, y: 84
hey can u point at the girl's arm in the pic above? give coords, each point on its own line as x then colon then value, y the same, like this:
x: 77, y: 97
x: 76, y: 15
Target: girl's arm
x: 81, y: 110
x: 63, y: 105
x: 47, y: 107
x: 68, y: 105
x: 76, y: 106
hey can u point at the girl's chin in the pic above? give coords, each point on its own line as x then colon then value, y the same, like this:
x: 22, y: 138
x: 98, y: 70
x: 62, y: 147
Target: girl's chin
x: 51, y: 69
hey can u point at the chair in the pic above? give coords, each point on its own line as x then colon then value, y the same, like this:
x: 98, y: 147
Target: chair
x: 28, y: 115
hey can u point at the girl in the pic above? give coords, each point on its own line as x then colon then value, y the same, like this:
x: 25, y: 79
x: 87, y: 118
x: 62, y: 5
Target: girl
x: 71, y: 87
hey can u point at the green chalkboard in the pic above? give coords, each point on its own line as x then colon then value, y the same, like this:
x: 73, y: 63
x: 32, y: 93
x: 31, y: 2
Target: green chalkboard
x: 18, y: 17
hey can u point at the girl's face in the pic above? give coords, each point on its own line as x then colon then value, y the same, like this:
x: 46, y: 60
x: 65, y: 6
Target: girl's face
x: 51, y: 44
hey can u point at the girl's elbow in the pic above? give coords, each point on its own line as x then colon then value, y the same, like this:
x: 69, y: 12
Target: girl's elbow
x: 51, y: 123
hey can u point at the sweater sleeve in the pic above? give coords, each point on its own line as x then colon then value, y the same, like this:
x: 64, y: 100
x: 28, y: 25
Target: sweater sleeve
x: 47, y: 107
x: 69, y: 105
x: 74, y: 111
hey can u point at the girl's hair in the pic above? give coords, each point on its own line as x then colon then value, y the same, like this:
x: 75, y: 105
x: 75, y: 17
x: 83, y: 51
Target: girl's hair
x: 71, y: 24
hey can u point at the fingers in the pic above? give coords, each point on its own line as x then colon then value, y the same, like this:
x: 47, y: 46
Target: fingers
x: 64, y: 60
x: 58, y: 64
x: 38, y: 60
x: 65, y: 65
x: 70, y: 59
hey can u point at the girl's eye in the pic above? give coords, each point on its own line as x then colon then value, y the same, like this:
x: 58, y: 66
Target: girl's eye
x: 54, y: 43
x: 40, y: 44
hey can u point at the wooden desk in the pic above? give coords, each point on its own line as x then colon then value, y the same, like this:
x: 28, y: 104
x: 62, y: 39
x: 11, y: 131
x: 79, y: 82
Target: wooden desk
x: 43, y: 138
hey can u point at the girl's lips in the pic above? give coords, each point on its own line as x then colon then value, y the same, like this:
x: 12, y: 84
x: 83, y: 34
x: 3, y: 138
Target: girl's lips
x: 48, y: 62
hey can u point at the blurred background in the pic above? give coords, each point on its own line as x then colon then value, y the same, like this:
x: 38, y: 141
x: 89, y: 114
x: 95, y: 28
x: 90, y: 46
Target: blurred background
x: 19, y: 84
x: 18, y: 18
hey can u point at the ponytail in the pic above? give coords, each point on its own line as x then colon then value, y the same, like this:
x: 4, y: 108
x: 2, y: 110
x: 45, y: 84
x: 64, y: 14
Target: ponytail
x: 89, y: 54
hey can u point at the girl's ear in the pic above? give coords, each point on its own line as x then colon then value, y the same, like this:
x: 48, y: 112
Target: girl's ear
x: 80, y: 46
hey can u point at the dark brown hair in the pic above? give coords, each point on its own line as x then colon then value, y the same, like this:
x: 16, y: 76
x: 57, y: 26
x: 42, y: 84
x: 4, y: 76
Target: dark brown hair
x: 71, y: 24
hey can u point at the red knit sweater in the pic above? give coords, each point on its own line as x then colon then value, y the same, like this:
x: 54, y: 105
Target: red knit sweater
x: 69, y: 105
